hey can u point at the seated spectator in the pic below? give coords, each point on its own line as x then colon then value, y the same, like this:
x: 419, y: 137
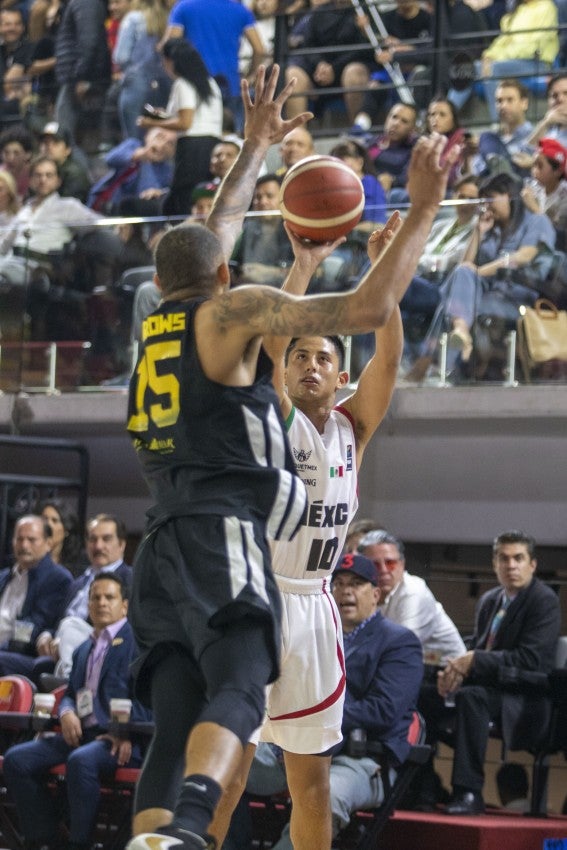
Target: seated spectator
x: 407, y: 600
x: 45, y: 223
x: 513, y: 785
x: 528, y: 44
x: 391, y: 151
x: 9, y: 204
x: 16, y: 149
x: 356, y: 531
x: 105, y: 543
x: 489, y: 281
x: 553, y: 125
x: 407, y: 23
x: 138, y: 62
x: 356, y: 156
x: 100, y: 672
x: 223, y: 155
x: 442, y: 118
x: 517, y: 625
x: 66, y: 540
x: 444, y: 249
x: 135, y: 250
x: 504, y: 149
x: 547, y: 191
x: 56, y: 144
x: 32, y: 592
x: 194, y: 111
x: 326, y: 27
x: 263, y: 252
x: 296, y: 145
x: 15, y: 48
x: 140, y: 176
x: 383, y: 675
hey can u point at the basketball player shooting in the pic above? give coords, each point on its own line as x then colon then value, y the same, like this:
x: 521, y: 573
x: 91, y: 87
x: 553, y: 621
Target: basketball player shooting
x: 207, y: 428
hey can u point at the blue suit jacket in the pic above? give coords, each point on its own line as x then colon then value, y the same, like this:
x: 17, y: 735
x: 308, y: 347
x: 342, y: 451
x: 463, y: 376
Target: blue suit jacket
x: 48, y: 584
x: 115, y: 680
x: 384, y: 669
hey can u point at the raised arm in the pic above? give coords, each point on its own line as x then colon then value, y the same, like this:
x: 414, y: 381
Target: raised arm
x: 263, y: 127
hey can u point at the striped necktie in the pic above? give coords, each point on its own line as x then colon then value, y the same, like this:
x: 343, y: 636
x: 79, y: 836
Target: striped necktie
x: 496, y: 621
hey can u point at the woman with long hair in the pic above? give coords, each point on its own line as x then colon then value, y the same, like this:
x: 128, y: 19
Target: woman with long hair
x: 488, y: 282
x: 194, y: 111
x: 442, y: 117
x: 136, y: 55
x: 66, y: 538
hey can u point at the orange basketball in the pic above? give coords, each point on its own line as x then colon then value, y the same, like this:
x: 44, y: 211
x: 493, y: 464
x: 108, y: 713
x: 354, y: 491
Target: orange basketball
x: 321, y: 198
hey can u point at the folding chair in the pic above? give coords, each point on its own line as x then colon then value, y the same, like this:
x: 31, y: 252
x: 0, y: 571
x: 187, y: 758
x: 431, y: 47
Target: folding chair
x: 368, y: 825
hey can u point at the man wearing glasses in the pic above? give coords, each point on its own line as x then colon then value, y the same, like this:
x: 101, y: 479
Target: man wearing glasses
x: 407, y: 600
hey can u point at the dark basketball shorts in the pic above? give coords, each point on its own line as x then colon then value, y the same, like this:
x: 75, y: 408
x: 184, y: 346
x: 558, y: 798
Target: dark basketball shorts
x: 194, y: 576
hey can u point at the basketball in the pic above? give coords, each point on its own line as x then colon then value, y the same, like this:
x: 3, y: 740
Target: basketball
x: 321, y: 198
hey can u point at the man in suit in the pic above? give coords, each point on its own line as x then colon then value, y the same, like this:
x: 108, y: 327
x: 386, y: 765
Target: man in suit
x: 384, y: 669
x: 105, y: 544
x: 31, y: 593
x: 513, y: 648
x: 100, y: 672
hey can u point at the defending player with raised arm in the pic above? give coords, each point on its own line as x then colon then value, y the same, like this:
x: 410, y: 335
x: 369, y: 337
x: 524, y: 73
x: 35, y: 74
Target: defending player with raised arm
x: 205, y: 421
x: 305, y: 705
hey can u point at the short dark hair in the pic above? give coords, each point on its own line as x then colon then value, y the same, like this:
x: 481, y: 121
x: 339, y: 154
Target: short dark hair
x: 336, y: 341
x: 512, y: 83
x: 110, y: 576
x: 514, y: 536
x: 462, y: 181
x: 120, y: 525
x: 187, y: 257
x: 561, y: 75
x: 269, y: 178
x: 17, y: 134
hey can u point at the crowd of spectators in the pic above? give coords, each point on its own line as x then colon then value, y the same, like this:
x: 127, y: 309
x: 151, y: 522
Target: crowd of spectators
x: 137, y: 103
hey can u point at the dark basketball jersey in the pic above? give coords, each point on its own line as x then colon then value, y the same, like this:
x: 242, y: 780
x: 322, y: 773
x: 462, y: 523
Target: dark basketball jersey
x: 207, y: 448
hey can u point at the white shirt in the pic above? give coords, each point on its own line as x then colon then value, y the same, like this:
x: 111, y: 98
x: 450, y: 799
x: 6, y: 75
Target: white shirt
x: 412, y: 604
x: 12, y: 602
x: 48, y: 226
x: 207, y: 117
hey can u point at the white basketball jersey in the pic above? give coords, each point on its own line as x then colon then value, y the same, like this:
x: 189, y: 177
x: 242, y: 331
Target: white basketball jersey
x: 327, y: 465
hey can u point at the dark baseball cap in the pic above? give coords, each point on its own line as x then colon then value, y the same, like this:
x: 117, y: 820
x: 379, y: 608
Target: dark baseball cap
x: 359, y: 565
x: 52, y: 128
x: 204, y: 190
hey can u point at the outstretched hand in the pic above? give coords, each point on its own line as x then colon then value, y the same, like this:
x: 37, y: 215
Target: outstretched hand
x: 308, y: 255
x: 381, y: 238
x: 429, y: 170
x: 263, y: 114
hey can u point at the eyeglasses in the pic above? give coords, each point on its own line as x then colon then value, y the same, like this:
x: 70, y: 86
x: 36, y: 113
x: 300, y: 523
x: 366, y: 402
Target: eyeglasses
x: 389, y: 563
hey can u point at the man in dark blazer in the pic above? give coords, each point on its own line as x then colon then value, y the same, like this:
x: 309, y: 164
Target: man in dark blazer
x: 32, y: 592
x: 513, y: 648
x: 100, y: 672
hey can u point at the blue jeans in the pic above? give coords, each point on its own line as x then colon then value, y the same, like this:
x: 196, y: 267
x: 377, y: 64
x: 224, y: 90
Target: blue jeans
x: 25, y: 768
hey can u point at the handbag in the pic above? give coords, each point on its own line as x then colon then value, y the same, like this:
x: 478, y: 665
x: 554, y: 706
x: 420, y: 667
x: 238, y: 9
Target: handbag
x: 542, y: 334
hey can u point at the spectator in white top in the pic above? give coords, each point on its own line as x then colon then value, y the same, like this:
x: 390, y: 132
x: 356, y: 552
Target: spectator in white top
x: 407, y: 600
x: 45, y: 223
x: 194, y: 111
